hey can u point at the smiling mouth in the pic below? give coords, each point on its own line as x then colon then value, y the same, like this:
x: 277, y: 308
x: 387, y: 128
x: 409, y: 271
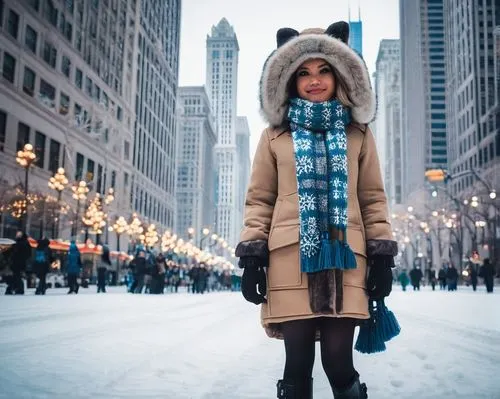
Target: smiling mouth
x: 315, y: 91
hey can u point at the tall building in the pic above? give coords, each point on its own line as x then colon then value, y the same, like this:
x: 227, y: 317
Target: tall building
x: 222, y: 80
x: 243, y: 148
x: 64, y: 88
x: 196, y: 140
x: 473, y: 112
x: 356, y: 33
x: 156, y: 80
x: 423, y: 91
x: 388, y: 120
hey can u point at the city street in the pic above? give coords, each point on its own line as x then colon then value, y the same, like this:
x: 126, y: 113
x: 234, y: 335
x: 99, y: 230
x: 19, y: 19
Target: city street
x: 118, y: 345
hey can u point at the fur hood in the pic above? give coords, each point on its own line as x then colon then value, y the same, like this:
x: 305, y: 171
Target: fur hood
x: 330, y: 45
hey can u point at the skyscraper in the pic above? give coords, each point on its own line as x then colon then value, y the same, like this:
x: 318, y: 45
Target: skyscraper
x: 243, y: 148
x: 423, y: 90
x: 473, y: 111
x: 356, y: 33
x: 65, y: 89
x: 222, y: 79
x: 196, y: 140
x: 388, y: 120
x: 157, y: 56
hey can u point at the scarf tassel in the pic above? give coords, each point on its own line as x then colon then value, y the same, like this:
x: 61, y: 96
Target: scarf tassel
x: 375, y: 332
x: 335, y: 254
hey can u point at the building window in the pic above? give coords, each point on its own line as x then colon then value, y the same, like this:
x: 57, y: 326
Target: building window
x: 13, y: 24
x: 35, y: 4
x: 50, y: 54
x: 79, y: 166
x: 126, y: 148
x: 63, y: 104
x: 119, y: 113
x: 3, y: 125
x: 99, y: 179
x: 78, y: 78
x: 29, y: 81
x: 113, y: 179
x: 31, y: 38
x: 50, y: 12
x: 47, y: 93
x: 54, y: 152
x: 88, y: 86
x: 66, y: 66
x: 9, y: 67
x: 40, y: 139
x: 90, y: 170
x: 23, y: 136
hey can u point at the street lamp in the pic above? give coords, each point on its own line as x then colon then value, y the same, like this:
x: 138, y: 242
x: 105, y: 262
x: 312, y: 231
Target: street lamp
x: 493, y: 194
x: 80, y: 192
x: 120, y: 226
x: 58, y: 182
x: 25, y: 159
x: 150, y: 238
x: 94, y: 218
x: 205, y: 232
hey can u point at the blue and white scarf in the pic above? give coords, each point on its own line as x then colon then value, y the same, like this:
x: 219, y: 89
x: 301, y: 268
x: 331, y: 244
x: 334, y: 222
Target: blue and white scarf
x: 320, y: 144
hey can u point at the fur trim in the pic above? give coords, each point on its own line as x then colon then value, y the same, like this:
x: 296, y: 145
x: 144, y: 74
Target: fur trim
x: 284, y: 61
x: 381, y: 247
x: 257, y: 248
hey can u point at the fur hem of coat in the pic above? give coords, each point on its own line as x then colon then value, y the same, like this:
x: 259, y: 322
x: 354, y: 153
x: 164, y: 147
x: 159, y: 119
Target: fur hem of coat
x: 257, y: 248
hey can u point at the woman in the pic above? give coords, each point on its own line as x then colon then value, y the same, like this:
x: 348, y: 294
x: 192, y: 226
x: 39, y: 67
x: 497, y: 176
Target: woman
x: 316, y: 211
x: 102, y: 268
x: 74, y: 267
x: 41, y: 264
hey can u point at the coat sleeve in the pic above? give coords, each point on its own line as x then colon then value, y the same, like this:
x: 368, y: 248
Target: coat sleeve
x: 373, y: 201
x: 260, y: 200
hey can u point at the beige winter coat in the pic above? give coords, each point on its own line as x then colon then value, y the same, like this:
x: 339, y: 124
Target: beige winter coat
x: 272, y: 215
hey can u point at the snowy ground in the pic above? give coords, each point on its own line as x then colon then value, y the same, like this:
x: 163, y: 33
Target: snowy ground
x: 182, y: 346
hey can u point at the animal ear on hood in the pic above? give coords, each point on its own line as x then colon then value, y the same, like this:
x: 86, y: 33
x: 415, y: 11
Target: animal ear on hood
x: 339, y: 30
x: 284, y: 35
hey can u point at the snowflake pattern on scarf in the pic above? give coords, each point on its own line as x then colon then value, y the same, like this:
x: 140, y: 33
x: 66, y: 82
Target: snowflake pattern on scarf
x: 320, y: 145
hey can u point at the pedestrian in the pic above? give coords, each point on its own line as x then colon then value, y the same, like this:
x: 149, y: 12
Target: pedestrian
x: 41, y: 264
x: 404, y: 279
x: 451, y: 277
x: 73, y: 267
x: 488, y: 274
x: 19, y: 254
x: 139, y: 267
x: 316, y: 171
x: 416, y: 278
x: 442, y: 277
x: 431, y: 277
x: 158, y: 275
x: 103, y: 263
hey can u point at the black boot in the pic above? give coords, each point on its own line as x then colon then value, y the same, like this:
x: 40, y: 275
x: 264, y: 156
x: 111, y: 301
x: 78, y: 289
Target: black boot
x: 289, y: 389
x: 356, y: 390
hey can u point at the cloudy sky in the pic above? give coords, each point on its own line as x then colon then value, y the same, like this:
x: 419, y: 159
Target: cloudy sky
x: 256, y: 22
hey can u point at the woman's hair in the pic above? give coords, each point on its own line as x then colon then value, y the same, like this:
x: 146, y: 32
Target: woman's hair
x: 341, y: 90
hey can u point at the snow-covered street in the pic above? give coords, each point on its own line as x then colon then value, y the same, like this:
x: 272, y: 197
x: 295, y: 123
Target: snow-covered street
x: 211, y: 346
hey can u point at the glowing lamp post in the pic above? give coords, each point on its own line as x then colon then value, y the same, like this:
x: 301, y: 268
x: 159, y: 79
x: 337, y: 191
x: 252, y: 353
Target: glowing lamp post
x: 58, y: 182
x: 25, y: 159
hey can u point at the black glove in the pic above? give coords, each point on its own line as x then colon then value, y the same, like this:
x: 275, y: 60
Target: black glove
x: 379, y: 282
x: 253, y: 281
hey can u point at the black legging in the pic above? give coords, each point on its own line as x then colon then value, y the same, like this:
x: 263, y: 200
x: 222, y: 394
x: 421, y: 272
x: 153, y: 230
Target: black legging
x: 337, y: 336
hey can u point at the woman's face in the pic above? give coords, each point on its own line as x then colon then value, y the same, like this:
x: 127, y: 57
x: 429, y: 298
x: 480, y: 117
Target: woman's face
x: 315, y: 81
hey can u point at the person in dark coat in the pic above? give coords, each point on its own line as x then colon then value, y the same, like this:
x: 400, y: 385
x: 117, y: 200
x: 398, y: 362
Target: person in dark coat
x: 202, y: 278
x: 158, y: 275
x: 431, y: 276
x: 442, y: 278
x: 73, y: 267
x: 139, y: 266
x: 415, y: 277
x: 472, y: 268
x: 194, y: 275
x: 19, y: 254
x: 488, y: 273
x: 102, y: 268
x: 452, y: 278
x: 403, y: 279
x: 41, y: 264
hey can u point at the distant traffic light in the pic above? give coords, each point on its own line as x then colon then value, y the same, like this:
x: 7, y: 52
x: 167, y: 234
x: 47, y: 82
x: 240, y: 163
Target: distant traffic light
x: 434, y: 175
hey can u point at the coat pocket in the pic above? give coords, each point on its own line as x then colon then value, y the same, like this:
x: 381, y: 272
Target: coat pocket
x: 284, y: 269
x: 283, y: 235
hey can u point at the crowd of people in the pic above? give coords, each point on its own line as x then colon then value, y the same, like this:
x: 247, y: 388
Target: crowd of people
x: 148, y: 272
x: 448, y: 277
